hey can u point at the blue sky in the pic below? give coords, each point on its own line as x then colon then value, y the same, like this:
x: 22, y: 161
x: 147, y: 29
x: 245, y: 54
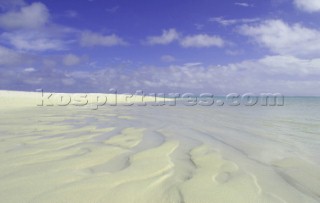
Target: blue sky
x: 199, y: 46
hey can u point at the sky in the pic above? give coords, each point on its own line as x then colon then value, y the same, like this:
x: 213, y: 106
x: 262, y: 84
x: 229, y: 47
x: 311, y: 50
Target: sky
x: 190, y: 46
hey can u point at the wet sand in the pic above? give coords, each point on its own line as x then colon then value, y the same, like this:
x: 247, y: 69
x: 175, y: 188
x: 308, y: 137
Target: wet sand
x: 157, y: 154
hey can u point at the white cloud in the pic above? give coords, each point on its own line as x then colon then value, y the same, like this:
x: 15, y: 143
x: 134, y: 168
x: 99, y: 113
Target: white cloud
x: 32, y: 41
x: 71, y: 60
x: 89, y: 39
x: 10, y: 4
x: 29, y: 70
x: 284, y: 74
x: 285, y: 39
x: 308, y: 5
x: 243, y: 4
x: 31, y: 16
x: 193, y: 64
x: 202, y: 40
x: 281, y: 65
x: 227, y: 22
x: 8, y: 57
x: 167, y: 58
x: 167, y: 37
x: 28, y: 27
x: 13, y: 2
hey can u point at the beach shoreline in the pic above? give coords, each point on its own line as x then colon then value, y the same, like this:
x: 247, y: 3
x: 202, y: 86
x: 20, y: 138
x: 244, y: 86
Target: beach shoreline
x: 131, y: 154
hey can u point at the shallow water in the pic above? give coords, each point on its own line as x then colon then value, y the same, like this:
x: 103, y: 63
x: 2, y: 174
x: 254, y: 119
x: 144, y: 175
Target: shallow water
x: 162, y: 154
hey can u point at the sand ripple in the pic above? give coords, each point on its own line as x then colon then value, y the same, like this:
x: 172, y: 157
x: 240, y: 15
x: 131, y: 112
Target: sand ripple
x: 149, y: 155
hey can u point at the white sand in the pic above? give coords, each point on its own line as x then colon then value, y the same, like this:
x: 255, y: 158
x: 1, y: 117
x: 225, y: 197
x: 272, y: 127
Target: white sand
x: 147, y: 154
x: 16, y: 99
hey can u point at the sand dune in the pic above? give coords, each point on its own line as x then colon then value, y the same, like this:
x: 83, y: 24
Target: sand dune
x: 151, y: 154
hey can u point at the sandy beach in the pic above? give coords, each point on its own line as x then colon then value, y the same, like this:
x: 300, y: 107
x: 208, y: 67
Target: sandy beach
x: 159, y: 101
x: 157, y: 154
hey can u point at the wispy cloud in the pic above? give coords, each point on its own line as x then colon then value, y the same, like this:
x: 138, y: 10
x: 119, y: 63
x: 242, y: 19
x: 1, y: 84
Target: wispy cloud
x: 89, y: 39
x: 198, y: 40
x: 32, y: 41
x: 246, y: 76
x: 30, y: 28
x: 27, y: 17
x: 243, y: 4
x: 9, y: 57
x: 202, y: 40
x: 167, y: 37
x: 227, y: 22
x: 11, y: 4
x: 71, y: 60
x: 37, y: 51
x: 167, y: 58
x: 310, y: 6
x: 283, y: 38
x: 29, y: 70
